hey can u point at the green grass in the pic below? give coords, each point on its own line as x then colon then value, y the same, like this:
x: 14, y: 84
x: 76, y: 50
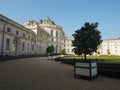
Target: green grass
x: 101, y: 59
x: 108, y: 59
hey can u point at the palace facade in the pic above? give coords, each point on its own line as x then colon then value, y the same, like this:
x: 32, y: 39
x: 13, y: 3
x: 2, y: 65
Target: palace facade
x: 107, y: 47
x: 68, y: 45
x: 33, y: 37
x: 56, y: 33
x: 42, y: 37
x: 110, y: 47
x: 15, y: 39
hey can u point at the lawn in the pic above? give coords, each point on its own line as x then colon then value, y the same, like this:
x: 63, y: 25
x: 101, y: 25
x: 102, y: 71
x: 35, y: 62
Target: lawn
x: 101, y: 59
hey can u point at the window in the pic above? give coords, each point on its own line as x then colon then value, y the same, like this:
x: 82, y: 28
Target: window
x: 68, y: 50
x: 8, y: 29
x: 33, y: 38
x: 56, y: 33
x: 28, y: 46
x: 23, y: 34
x: 32, y: 47
x: 116, y: 51
x: 17, y: 32
x: 37, y: 48
x: 28, y: 36
x: 7, y: 44
x: 52, y: 33
x: 23, y: 46
x: 37, y: 39
x: 52, y: 40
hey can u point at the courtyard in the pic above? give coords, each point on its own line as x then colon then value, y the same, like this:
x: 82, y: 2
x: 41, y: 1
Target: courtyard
x: 41, y: 74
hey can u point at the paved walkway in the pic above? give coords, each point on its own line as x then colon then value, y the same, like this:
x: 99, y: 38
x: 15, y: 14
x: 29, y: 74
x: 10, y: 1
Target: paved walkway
x: 41, y: 74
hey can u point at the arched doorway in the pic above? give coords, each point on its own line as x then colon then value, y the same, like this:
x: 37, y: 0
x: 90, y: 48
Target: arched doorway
x: 16, y: 46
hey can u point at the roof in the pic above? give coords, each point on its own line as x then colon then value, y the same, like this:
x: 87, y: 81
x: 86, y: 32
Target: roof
x: 7, y: 20
x: 113, y: 39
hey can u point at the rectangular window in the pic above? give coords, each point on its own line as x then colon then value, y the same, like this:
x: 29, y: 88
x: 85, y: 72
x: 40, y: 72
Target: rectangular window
x: 8, y: 29
x: 28, y: 46
x: 52, y: 39
x: 68, y: 50
x: 7, y: 44
x: 28, y: 36
x: 33, y: 38
x: 52, y: 33
x: 23, y: 46
x: 56, y: 33
x: 37, y: 48
x: 17, y: 32
x: 32, y: 47
x: 23, y: 34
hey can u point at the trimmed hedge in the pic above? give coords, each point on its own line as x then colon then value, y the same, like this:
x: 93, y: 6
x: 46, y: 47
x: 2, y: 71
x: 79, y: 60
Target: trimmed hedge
x: 67, y: 61
x: 106, y: 69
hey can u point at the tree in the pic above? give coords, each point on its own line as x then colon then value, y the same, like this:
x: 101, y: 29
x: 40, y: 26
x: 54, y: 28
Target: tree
x: 108, y: 51
x: 63, y: 51
x: 98, y: 52
x: 50, y: 49
x: 87, y: 39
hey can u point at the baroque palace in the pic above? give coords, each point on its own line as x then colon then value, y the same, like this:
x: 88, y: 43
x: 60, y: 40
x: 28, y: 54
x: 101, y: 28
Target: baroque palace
x: 107, y: 47
x: 33, y: 37
x: 56, y: 33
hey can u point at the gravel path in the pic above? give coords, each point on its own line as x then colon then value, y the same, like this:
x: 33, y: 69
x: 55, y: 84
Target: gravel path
x: 41, y: 74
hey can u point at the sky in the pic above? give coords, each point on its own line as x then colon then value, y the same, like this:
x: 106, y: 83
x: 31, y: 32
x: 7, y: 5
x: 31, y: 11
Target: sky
x: 69, y: 14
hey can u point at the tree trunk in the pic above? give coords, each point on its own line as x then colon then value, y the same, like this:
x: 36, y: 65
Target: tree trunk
x: 85, y: 57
